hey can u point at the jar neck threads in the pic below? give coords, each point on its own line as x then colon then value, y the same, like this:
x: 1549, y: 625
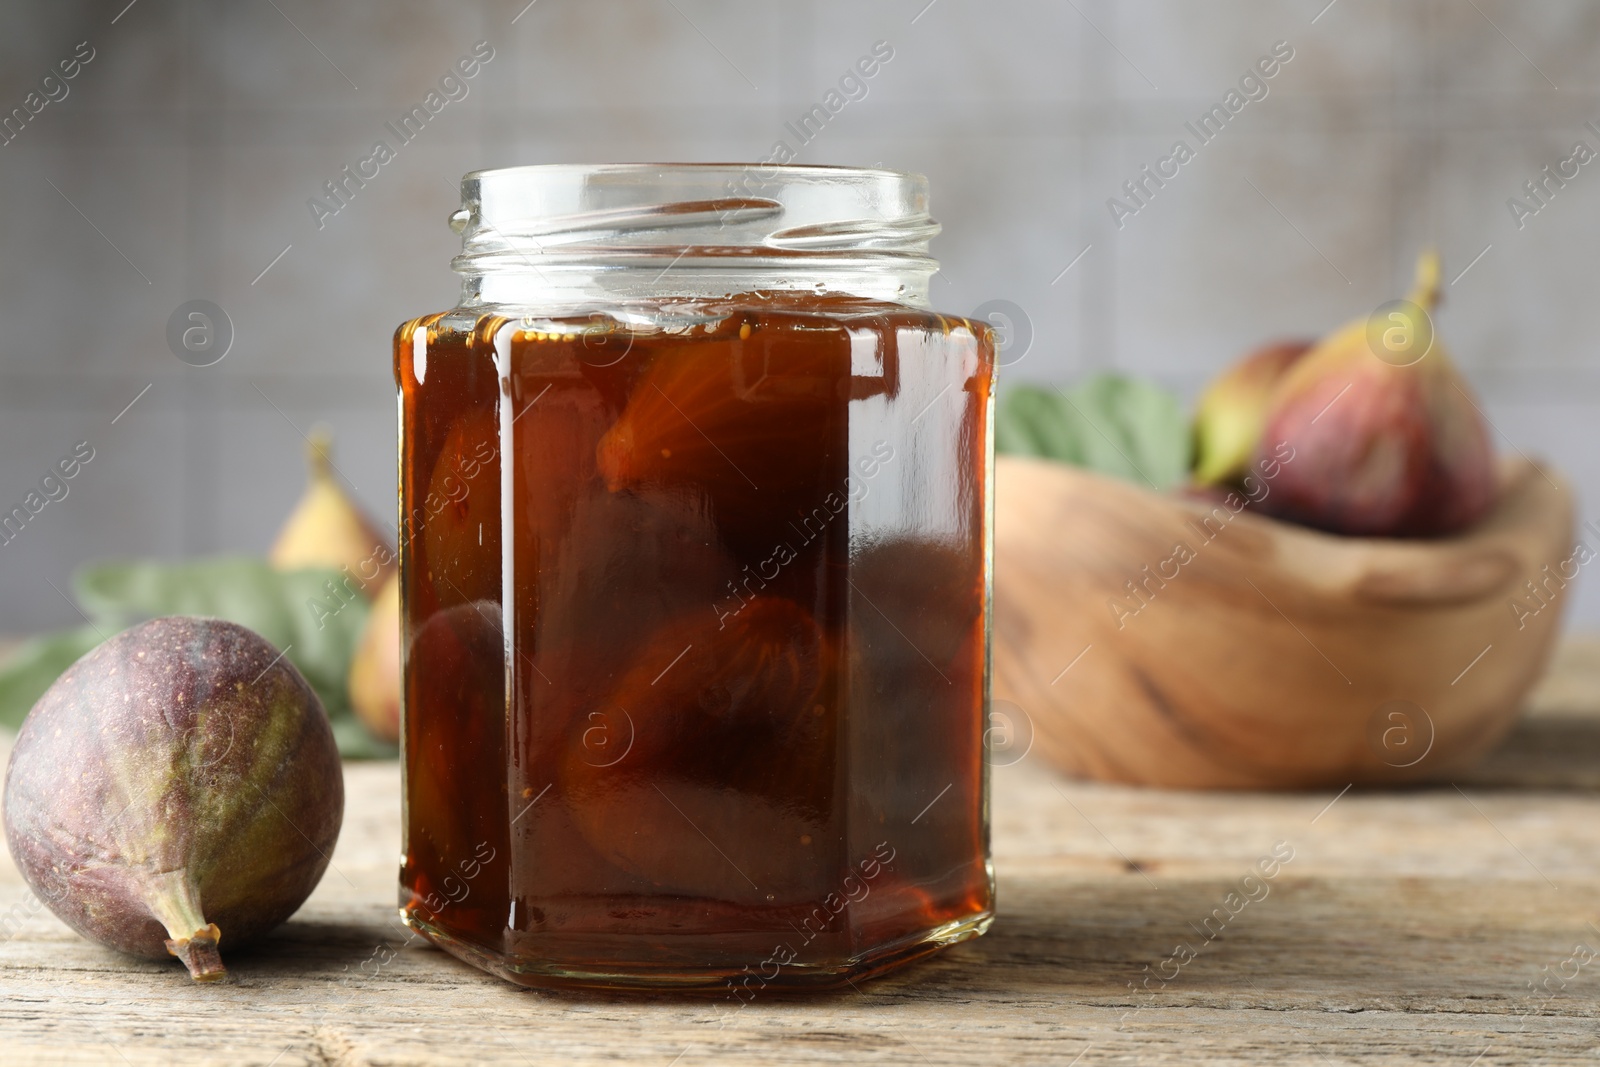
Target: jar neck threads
x: 556, y: 235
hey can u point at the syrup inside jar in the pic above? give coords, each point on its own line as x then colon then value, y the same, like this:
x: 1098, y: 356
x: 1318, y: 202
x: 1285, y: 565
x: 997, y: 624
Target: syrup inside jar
x: 695, y: 613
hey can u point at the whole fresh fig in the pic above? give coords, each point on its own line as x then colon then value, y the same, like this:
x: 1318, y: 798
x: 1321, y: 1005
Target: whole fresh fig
x: 1382, y: 432
x: 1228, y: 420
x: 327, y: 529
x: 177, y: 785
x: 374, y: 682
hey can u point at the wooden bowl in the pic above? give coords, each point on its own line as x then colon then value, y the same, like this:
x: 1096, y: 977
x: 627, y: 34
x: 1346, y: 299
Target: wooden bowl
x: 1161, y: 640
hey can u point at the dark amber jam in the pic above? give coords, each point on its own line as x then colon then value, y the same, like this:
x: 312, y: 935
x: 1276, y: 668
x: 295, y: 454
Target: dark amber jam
x: 695, y: 613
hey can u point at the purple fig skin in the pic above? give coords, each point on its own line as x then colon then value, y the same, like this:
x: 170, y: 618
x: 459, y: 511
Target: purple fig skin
x: 1400, y: 454
x: 1379, y: 449
x: 179, y: 784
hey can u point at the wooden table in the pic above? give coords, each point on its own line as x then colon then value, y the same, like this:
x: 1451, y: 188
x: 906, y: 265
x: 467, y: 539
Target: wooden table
x: 1410, y: 924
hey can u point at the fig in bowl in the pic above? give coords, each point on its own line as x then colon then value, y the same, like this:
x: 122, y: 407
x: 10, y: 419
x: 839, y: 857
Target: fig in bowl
x: 1350, y: 588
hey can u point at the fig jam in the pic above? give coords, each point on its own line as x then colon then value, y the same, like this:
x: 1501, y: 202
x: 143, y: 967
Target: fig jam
x: 695, y: 618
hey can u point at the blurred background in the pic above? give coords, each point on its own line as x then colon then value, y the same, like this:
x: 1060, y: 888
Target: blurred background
x: 178, y: 162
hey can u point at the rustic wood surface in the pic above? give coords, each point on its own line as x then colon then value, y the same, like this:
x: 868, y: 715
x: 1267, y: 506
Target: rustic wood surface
x: 1410, y: 925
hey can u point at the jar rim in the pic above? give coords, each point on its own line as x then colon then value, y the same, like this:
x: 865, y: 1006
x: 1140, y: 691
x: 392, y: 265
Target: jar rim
x: 731, y: 165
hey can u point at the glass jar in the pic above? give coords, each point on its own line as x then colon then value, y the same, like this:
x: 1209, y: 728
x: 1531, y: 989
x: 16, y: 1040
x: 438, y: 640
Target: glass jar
x: 695, y: 525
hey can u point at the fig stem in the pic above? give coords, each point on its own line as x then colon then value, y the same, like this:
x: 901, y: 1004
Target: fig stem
x: 174, y: 901
x: 199, y: 953
x: 319, y: 452
x: 1426, y: 293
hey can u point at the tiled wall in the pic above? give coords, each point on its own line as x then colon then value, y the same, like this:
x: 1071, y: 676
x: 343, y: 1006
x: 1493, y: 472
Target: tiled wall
x: 180, y: 164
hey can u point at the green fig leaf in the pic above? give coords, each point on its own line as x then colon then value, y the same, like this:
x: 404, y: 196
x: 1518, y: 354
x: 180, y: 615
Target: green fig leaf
x: 297, y: 611
x: 1109, y: 424
x: 34, y: 665
x: 355, y: 741
x: 1031, y: 421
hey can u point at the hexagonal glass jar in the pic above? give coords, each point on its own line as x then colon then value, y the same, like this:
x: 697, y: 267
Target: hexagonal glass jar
x: 695, y: 528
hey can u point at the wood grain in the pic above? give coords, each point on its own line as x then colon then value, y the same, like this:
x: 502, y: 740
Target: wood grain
x: 1406, y: 927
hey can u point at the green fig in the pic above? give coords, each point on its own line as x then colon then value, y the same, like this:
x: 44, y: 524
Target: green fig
x: 328, y: 529
x: 1233, y: 409
x: 177, y: 785
x: 374, y: 682
x: 1383, y: 435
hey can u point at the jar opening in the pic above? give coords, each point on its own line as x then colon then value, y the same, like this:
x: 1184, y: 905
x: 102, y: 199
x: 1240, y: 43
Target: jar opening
x: 566, y: 233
